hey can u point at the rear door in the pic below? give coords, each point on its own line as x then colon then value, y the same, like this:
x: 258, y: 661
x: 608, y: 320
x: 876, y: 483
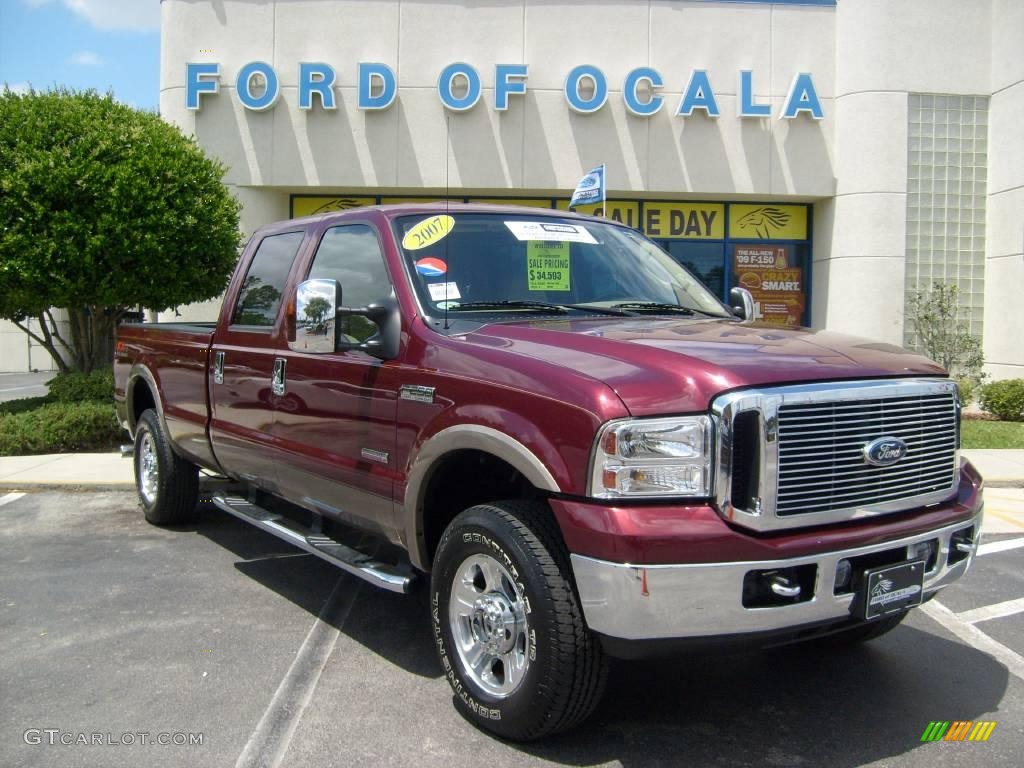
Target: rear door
x: 244, y: 359
x: 335, y: 425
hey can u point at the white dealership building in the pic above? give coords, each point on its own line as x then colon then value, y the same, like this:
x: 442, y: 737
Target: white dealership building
x: 833, y: 156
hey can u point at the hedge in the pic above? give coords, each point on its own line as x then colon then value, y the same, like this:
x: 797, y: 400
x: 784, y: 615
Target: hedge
x: 59, y: 428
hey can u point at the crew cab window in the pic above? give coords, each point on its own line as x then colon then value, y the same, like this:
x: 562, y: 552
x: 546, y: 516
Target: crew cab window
x: 352, y: 256
x: 260, y: 297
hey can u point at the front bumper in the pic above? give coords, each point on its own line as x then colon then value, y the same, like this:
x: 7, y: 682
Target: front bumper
x: 693, y: 600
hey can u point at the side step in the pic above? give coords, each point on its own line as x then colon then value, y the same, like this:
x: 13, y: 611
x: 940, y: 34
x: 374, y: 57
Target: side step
x: 394, y: 578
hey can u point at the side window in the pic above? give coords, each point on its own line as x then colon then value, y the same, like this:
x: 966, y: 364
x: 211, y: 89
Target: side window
x: 352, y: 256
x: 260, y: 297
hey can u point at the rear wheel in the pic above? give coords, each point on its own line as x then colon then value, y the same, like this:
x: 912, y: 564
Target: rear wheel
x: 168, y: 485
x: 508, y: 625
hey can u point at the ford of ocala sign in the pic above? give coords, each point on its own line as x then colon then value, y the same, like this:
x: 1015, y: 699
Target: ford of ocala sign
x: 459, y: 88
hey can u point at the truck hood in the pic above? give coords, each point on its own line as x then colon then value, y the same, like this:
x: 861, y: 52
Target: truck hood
x: 659, y: 366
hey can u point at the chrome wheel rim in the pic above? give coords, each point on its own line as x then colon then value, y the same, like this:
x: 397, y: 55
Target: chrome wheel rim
x: 149, y: 471
x: 487, y: 617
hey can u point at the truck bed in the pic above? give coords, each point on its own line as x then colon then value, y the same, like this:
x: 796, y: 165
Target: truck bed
x: 178, y: 355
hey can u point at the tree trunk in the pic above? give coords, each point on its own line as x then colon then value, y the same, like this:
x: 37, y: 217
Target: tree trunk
x: 91, y: 345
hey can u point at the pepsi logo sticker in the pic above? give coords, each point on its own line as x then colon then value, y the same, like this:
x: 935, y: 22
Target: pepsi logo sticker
x: 431, y: 267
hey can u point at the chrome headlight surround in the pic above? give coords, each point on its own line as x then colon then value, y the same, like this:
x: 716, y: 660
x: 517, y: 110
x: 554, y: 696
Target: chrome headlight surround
x: 670, y: 457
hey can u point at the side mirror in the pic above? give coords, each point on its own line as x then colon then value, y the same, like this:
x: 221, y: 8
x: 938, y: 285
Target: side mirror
x: 316, y: 331
x: 316, y: 312
x: 742, y: 303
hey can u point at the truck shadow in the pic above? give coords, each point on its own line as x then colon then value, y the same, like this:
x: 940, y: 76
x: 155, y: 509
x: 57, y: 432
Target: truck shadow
x: 792, y: 706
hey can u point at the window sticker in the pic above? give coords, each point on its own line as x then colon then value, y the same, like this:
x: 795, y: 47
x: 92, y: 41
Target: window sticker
x: 542, y: 230
x: 547, y: 266
x: 428, y: 232
x: 431, y: 267
x: 443, y: 291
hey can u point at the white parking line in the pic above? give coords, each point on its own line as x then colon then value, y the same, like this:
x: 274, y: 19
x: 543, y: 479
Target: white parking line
x: 996, y: 611
x: 8, y: 498
x: 1000, y: 546
x: 268, y: 744
x: 974, y: 637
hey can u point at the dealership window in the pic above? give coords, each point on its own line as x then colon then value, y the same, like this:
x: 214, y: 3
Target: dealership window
x: 764, y: 247
x: 947, y: 151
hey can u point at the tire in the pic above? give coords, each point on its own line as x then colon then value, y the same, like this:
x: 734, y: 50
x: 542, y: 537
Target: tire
x: 862, y: 633
x: 168, y: 485
x: 540, y: 669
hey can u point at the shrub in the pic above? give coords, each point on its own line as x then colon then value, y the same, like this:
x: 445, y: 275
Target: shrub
x: 1004, y: 399
x: 60, y: 427
x: 78, y: 387
x: 968, y: 390
x: 940, y: 331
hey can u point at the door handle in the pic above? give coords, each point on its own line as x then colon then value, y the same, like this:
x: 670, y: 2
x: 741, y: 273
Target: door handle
x: 277, y: 383
x: 218, y: 368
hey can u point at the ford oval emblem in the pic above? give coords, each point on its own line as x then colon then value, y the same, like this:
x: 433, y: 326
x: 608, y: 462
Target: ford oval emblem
x: 884, y: 451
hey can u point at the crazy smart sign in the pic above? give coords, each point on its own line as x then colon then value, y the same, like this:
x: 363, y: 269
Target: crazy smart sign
x: 459, y: 87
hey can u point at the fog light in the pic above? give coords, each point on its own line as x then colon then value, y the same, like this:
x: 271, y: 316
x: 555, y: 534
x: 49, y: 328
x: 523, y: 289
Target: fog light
x: 924, y: 550
x: 844, y: 571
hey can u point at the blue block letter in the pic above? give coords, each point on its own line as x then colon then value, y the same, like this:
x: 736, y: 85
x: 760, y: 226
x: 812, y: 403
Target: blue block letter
x: 446, y: 81
x: 200, y: 78
x: 244, y: 85
x: 633, y: 80
x: 572, y: 89
x: 316, y: 77
x: 381, y: 73
x: 508, y: 78
x: 747, y: 107
x: 698, y: 96
x: 802, y: 98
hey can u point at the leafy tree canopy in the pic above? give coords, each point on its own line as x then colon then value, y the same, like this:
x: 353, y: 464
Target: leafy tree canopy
x: 104, y: 208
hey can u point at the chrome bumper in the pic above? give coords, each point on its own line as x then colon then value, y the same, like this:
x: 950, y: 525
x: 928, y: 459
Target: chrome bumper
x: 705, y: 599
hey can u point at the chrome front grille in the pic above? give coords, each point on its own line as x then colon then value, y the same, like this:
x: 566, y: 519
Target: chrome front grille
x: 821, y: 452
x: 796, y: 455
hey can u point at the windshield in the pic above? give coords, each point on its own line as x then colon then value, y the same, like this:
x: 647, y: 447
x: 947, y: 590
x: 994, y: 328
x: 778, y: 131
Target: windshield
x: 494, y: 262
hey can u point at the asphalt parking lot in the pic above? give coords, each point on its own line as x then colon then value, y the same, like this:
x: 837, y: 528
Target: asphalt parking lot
x: 110, y: 626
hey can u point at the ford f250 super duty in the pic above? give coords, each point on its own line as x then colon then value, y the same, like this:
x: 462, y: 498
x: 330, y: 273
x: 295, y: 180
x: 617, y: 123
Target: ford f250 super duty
x: 587, y: 452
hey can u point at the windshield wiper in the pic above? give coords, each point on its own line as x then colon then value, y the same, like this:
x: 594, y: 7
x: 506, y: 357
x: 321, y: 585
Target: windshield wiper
x: 657, y: 306
x: 538, y: 306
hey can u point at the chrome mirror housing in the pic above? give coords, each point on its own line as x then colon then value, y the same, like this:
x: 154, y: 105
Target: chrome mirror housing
x: 316, y: 315
x: 742, y: 303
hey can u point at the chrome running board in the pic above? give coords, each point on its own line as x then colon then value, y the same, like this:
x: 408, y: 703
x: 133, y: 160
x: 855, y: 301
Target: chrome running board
x: 394, y: 578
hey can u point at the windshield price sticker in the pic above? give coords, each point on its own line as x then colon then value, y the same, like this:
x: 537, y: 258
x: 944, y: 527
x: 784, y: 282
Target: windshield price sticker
x: 547, y: 265
x: 443, y: 291
x: 541, y: 230
x: 428, y: 232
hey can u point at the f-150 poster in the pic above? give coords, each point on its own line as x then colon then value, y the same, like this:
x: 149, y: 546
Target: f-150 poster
x: 777, y: 286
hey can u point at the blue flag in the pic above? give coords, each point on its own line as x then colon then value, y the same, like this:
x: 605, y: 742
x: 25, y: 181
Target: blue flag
x: 591, y: 189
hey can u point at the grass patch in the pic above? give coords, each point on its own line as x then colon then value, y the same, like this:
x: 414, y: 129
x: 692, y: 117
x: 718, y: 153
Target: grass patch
x: 975, y: 433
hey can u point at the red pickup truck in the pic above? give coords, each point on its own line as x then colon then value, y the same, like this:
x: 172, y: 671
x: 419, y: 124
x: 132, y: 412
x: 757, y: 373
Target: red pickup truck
x: 587, y: 452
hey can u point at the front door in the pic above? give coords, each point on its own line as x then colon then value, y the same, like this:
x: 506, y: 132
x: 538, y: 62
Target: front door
x: 335, y: 423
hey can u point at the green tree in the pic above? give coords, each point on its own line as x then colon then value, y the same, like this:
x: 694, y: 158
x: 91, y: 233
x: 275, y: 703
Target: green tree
x: 103, y: 209
x: 941, y: 333
x: 316, y: 309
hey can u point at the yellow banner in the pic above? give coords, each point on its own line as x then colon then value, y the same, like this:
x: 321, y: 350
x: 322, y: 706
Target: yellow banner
x: 310, y: 206
x: 420, y: 199
x: 684, y: 221
x: 624, y: 211
x: 768, y: 222
x: 530, y: 202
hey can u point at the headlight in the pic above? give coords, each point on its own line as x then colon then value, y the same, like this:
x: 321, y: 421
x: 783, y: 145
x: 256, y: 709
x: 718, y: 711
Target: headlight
x: 653, y: 457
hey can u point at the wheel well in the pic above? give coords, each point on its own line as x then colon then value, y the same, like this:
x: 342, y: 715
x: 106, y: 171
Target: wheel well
x: 463, y: 479
x: 141, y: 399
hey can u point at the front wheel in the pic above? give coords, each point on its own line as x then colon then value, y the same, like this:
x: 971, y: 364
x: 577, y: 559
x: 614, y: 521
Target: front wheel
x: 168, y: 485
x: 508, y: 625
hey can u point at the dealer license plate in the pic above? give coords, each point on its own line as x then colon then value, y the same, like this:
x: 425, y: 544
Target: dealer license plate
x: 893, y: 588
